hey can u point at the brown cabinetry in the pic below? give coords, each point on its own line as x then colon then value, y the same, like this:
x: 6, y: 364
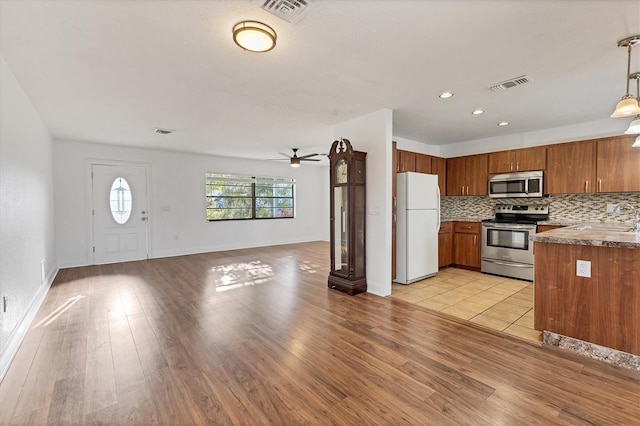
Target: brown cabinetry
x: 406, y: 161
x: 439, y: 167
x: 518, y: 160
x: 466, y: 244
x: 571, y: 168
x: 601, y: 309
x: 617, y: 165
x: 467, y: 175
x: 445, y: 244
x: 423, y: 163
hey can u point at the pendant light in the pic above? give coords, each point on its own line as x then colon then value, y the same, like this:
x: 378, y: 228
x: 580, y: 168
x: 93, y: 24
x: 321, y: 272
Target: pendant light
x: 628, y: 105
x: 634, y: 127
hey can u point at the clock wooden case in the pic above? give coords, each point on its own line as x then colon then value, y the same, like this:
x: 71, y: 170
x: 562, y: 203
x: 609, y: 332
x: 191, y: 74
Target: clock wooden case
x: 347, y: 169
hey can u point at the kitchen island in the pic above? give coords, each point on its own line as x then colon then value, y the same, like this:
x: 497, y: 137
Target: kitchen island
x: 598, y: 312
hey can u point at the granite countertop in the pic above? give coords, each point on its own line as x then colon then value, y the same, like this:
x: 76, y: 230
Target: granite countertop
x: 463, y: 219
x: 592, y: 234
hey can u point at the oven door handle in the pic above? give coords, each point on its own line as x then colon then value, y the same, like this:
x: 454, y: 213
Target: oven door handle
x: 507, y: 226
x: 518, y: 265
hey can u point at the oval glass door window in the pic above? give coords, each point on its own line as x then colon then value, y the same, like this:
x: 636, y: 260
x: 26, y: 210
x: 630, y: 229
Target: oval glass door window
x: 120, y: 200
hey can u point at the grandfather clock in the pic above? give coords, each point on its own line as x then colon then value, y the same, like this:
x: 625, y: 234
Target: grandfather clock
x: 347, y: 170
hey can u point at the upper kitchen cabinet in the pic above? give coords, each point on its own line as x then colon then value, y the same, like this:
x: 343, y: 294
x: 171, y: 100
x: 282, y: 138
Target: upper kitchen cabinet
x: 406, y: 161
x: 423, y: 163
x: 439, y: 167
x: 571, y: 168
x: 617, y: 165
x: 467, y: 175
x: 518, y: 160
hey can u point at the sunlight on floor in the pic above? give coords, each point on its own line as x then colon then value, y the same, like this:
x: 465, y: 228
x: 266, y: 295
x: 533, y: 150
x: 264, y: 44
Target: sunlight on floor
x: 497, y: 303
x: 237, y: 275
x: 59, y: 311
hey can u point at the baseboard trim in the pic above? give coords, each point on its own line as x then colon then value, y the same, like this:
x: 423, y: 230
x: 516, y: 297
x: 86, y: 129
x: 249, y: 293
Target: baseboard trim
x: 19, y: 333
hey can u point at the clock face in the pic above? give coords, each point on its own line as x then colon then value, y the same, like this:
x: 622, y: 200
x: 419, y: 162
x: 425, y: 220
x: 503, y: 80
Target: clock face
x: 341, y: 172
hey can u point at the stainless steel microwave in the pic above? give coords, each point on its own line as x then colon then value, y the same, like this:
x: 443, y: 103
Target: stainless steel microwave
x: 516, y: 185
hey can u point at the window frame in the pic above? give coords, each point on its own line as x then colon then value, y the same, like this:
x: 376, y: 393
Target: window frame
x: 253, y: 197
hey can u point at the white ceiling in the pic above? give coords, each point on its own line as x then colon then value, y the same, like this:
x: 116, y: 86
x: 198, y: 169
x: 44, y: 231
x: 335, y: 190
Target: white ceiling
x: 111, y: 71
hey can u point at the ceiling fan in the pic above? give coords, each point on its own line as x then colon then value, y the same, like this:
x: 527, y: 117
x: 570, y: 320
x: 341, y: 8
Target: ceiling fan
x: 295, y: 160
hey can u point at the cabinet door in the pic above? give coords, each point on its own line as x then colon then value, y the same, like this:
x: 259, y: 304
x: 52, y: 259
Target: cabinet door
x: 501, y: 162
x: 466, y: 250
x: 618, y: 165
x: 423, y: 163
x: 571, y: 168
x: 528, y: 159
x: 439, y: 167
x: 477, y: 175
x: 445, y: 249
x: 407, y: 161
x: 456, y: 176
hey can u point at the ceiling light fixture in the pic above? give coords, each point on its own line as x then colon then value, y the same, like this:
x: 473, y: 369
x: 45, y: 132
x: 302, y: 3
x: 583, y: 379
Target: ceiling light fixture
x: 477, y: 111
x: 446, y: 95
x: 634, y: 127
x: 295, y: 162
x: 254, y: 36
x: 628, y: 105
x: 503, y: 123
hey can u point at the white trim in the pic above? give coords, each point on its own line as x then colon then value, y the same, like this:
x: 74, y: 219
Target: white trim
x: 20, y: 331
x: 88, y: 164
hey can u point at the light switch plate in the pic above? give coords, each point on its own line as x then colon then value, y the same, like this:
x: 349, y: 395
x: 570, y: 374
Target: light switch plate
x: 583, y: 268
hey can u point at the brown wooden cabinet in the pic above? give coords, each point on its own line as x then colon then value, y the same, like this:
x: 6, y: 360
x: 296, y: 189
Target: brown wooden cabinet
x: 601, y: 309
x: 445, y: 244
x: 467, y: 175
x: 423, y: 163
x: 439, y: 167
x: 571, y: 168
x: 466, y: 244
x: 617, y: 165
x: 406, y: 161
x: 518, y: 160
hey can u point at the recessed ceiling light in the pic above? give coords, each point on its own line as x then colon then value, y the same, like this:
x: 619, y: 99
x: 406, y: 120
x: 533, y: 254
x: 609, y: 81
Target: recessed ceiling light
x: 503, y: 123
x: 477, y: 111
x: 445, y: 95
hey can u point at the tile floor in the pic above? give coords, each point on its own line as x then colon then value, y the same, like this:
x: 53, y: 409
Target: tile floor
x: 498, y: 303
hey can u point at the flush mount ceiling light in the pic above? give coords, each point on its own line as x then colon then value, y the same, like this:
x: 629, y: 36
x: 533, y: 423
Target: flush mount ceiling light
x: 445, y: 95
x: 477, y: 111
x: 628, y: 105
x: 634, y: 127
x: 503, y: 123
x: 254, y: 36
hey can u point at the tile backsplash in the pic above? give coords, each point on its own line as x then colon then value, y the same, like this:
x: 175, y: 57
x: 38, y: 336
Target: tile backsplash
x: 571, y: 208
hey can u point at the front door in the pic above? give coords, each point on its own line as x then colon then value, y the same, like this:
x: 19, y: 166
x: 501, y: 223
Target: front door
x: 120, y: 213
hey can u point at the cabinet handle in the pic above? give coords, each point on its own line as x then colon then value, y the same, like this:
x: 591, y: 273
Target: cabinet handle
x: 599, y: 185
x: 511, y: 166
x: 517, y: 166
x: 463, y: 190
x: 586, y: 186
x: 475, y: 240
x: 467, y: 190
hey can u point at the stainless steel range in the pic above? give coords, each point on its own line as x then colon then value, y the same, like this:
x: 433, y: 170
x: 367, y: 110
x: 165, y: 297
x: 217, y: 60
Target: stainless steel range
x: 506, y: 249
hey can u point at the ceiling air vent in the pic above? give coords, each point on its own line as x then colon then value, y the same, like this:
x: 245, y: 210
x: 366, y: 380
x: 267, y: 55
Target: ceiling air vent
x: 288, y: 10
x: 508, y: 84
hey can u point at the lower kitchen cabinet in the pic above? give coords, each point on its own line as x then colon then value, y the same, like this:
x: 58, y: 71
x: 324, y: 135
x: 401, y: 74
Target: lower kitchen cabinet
x: 466, y: 244
x: 445, y: 244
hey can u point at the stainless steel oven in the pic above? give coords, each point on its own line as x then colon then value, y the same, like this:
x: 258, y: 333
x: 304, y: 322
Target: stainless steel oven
x: 506, y: 247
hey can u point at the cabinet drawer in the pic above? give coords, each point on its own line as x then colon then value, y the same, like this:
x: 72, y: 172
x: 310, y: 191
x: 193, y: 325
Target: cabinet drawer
x: 466, y: 227
x: 446, y: 227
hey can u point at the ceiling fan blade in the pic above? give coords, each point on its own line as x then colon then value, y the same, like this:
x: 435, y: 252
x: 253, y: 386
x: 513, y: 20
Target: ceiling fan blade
x: 278, y: 159
x: 307, y: 156
x: 284, y: 155
x: 308, y: 159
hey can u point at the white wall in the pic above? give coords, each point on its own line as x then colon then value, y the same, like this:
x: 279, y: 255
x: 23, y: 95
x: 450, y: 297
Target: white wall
x: 372, y: 133
x: 177, y: 182
x: 574, y: 132
x: 26, y: 213
x: 415, y: 146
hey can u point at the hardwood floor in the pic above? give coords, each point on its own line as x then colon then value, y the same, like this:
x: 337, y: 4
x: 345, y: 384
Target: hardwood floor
x: 255, y: 337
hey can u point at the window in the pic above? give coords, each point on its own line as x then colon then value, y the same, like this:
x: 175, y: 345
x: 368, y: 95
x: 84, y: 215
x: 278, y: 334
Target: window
x: 231, y: 197
x: 120, y: 200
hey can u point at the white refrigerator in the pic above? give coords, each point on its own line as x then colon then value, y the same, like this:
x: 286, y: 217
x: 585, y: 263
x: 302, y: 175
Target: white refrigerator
x: 417, y: 226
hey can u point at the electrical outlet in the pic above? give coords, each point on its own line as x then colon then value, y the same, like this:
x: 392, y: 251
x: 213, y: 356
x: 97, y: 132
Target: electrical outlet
x: 613, y: 208
x: 583, y: 268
